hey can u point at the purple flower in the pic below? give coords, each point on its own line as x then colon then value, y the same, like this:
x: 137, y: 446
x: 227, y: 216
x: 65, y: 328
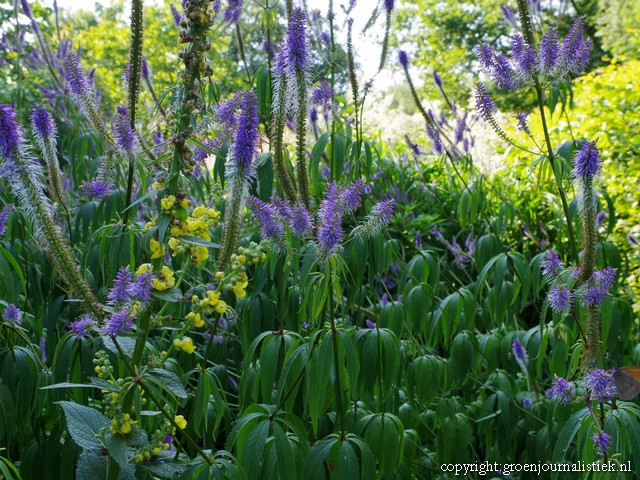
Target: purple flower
x: 266, y: 215
x: 485, y: 55
x: 605, y: 277
x: 42, y: 122
x: 12, y: 314
x: 600, y: 385
x: 76, y: 79
x: 382, y: 211
x: 519, y: 352
x: 124, y: 135
x: 96, y: 188
x: 600, y: 218
x: 141, y: 288
x: 524, y: 55
x: 403, y: 58
x: 118, y: 323
x: 350, y: 197
x: 461, y: 126
x: 587, y: 161
x: 233, y: 11
x: 247, y: 137
x: 82, y: 326
x: 522, y: 122
x: 561, y: 389
x: 435, y: 233
x: 10, y: 132
x: 548, y: 51
x: 233, y: 383
x: 436, y: 142
x: 300, y: 220
x: 415, y: 150
x: 145, y: 70
x: 4, y: 218
x: 322, y: 94
x: 632, y: 240
x: 43, y: 350
x: 330, y: 217
x: 484, y: 103
x: 595, y: 295
x: 121, y: 291
x: 436, y: 79
x: 503, y: 74
x: 418, y: 241
x: 575, y: 51
x: 297, y: 56
x: 526, y: 402
x: 551, y: 265
x: 601, y: 440
x: 560, y: 298
x: 389, y: 5
x: 508, y: 14
x: 370, y: 324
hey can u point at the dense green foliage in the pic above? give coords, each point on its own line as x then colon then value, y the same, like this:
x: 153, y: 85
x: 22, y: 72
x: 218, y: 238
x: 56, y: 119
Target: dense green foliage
x: 392, y: 354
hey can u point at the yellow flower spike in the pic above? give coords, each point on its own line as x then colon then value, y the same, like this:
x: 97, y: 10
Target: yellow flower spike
x: 185, y: 203
x: 187, y: 345
x: 180, y: 422
x: 168, y: 202
x: 199, y: 211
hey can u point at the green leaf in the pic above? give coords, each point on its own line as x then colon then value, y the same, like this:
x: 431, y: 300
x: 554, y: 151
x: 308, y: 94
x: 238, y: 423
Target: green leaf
x: 566, y: 435
x: 172, y: 295
x: 348, y: 465
x: 167, y: 380
x: 192, y: 240
x: 84, y: 424
x: 91, y: 466
x: 71, y: 385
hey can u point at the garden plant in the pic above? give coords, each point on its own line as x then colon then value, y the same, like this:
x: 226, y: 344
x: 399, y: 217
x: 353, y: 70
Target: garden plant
x: 212, y: 267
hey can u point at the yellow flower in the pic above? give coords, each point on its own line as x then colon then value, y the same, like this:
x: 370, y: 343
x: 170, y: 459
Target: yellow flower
x: 242, y: 259
x: 144, y: 268
x: 157, y: 185
x: 157, y: 250
x: 138, y: 458
x: 196, y: 318
x: 177, y: 230
x: 168, y: 202
x: 156, y: 451
x: 185, y: 203
x: 221, y: 307
x: 150, y: 224
x: 180, y: 422
x: 213, y: 213
x: 174, y: 243
x: 239, y: 291
x: 199, y: 211
x: 188, y: 346
x: 194, y: 224
x: 165, y: 280
x: 199, y: 254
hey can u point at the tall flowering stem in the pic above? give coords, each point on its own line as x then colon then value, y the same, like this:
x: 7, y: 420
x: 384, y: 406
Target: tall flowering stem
x: 25, y: 175
x: 240, y: 170
x: 194, y: 33
x: 354, y: 85
x: 527, y: 30
x: 135, y: 75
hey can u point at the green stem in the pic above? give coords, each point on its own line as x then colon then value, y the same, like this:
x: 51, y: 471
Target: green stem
x: 301, y: 154
x: 336, y: 353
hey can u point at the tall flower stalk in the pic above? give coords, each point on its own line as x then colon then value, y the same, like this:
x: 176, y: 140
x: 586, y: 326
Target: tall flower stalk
x: 25, y: 176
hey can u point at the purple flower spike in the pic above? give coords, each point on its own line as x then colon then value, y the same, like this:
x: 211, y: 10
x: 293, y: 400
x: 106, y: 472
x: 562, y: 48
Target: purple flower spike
x: 600, y: 385
x: 124, y: 135
x: 632, y: 240
x: 330, y: 218
x: 524, y: 55
x: 436, y: 79
x: 78, y: 83
x: 42, y: 122
x: 350, y: 198
x: 548, y: 51
x: 141, y: 288
x: 82, y: 326
x: 266, y: 215
x: 519, y: 352
x: 595, y: 295
x: 587, y: 161
x: 296, y: 42
x: 120, y: 322
x: 10, y: 131
x: 4, y: 218
x: 403, y: 58
x: 575, y: 51
x: 300, y: 220
x: 415, y: 150
x: 551, y: 265
x: 561, y: 389
x: 177, y: 16
x: 233, y: 11
x: 484, y: 103
x: 121, y: 291
x: 527, y: 402
x: 522, y: 122
x: 560, y: 298
x: 96, y: 188
x: 12, y: 314
x: 601, y: 440
x: 389, y: 5
x: 370, y: 324
x: 247, y: 137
